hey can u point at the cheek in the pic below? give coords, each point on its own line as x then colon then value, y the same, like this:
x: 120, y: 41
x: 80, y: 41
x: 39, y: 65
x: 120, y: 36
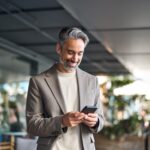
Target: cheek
x: 68, y: 57
x: 62, y: 56
x: 80, y: 57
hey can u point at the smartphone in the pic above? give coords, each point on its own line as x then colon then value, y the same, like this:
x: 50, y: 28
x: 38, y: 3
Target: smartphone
x: 89, y: 109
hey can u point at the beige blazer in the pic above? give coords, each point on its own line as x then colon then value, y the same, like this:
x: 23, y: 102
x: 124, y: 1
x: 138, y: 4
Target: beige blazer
x: 45, y: 107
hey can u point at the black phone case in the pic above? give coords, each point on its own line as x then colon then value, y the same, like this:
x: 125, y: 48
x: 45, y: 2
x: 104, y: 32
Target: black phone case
x: 89, y: 109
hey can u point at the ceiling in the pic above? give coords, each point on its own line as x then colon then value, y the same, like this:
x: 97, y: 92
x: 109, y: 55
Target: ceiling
x: 119, y: 33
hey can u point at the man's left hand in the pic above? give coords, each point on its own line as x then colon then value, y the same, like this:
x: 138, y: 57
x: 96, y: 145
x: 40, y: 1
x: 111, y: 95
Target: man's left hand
x: 90, y: 119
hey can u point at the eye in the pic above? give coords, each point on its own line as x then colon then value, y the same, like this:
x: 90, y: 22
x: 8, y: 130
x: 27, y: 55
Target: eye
x: 70, y: 52
x: 80, y: 54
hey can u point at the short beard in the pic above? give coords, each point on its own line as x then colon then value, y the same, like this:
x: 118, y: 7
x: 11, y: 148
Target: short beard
x: 66, y: 67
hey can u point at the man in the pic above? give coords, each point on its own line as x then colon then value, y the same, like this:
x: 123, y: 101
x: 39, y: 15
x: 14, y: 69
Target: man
x: 57, y: 96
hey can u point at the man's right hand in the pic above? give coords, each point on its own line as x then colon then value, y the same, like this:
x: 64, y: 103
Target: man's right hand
x: 72, y: 119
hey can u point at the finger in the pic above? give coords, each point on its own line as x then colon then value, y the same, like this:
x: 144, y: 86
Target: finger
x: 93, y: 115
x: 77, y: 119
x: 74, y: 123
x: 79, y: 116
x: 90, y: 119
x: 90, y: 124
x: 86, y: 116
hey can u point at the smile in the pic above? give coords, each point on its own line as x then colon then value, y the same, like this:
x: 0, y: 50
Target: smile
x: 72, y: 64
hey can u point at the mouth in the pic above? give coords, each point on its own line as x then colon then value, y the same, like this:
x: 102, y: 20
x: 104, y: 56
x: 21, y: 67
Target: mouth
x: 72, y: 64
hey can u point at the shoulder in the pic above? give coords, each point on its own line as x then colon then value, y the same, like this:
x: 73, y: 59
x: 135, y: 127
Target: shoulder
x: 86, y: 74
x: 85, y: 77
x: 44, y: 74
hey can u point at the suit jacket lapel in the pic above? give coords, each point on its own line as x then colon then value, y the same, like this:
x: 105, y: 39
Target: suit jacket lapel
x: 53, y: 83
x: 82, y: 84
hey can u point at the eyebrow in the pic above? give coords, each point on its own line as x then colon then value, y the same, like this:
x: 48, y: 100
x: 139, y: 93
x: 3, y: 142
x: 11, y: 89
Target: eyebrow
x: 74, y: 51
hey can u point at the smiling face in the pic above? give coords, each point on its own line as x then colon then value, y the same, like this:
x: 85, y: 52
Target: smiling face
x: 70, y: 53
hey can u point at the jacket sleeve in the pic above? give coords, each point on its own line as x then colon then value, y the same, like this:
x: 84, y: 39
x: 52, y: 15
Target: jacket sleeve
x: 100, y: 123
x: 37, y: 123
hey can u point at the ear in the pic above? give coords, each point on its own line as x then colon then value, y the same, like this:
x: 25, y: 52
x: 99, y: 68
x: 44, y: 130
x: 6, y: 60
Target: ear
x: 58, y: 48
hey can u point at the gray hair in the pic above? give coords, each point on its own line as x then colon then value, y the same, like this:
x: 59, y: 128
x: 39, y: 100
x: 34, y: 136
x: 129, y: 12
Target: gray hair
x: 75, y: 33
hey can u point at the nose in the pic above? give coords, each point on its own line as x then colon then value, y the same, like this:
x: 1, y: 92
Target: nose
x: 75, y: 58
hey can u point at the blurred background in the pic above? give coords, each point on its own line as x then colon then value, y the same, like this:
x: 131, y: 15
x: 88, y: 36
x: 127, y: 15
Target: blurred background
x: 118, y: 54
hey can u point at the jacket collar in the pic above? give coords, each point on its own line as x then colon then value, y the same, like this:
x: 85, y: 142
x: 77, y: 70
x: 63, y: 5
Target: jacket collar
x: 53, y: 83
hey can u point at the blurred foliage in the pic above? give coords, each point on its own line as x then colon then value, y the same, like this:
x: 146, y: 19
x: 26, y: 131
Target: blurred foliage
x: 128, y: 126
x: 4, y: 125
x: 118, y: 128
x: 120, y: 103
x: 118, y: 82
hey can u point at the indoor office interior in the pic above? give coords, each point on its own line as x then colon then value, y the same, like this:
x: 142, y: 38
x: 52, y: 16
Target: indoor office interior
x: 118, y: 54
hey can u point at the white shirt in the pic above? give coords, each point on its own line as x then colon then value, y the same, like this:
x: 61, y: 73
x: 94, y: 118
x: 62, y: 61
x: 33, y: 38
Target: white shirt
x: 69, y: 87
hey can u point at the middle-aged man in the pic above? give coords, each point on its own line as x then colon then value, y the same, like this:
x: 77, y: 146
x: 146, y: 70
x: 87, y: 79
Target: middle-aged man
x: 57, y: 96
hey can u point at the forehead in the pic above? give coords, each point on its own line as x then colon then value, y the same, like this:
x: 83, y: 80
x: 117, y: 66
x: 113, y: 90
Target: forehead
x: 74, y: 44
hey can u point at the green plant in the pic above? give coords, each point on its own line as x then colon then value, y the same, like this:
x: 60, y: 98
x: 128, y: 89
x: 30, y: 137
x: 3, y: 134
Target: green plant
x: 127, y: 126
x: 118, y: 107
